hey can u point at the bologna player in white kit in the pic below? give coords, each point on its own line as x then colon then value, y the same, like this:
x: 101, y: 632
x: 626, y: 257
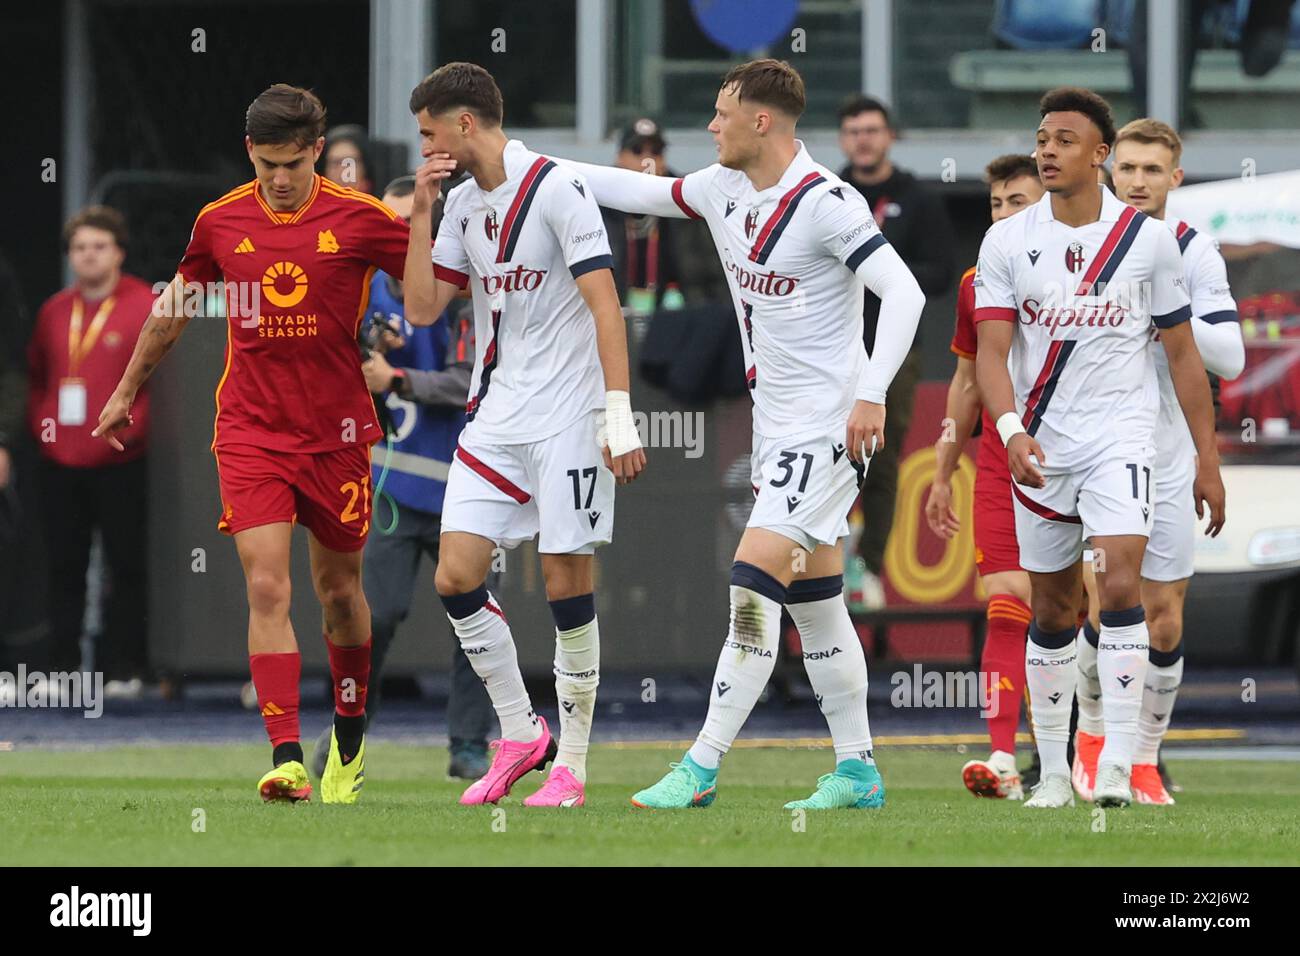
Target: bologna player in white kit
x: 1144, y: 168
x: 798, y: 247
x: 1072, y: 289
x: 527, y: 239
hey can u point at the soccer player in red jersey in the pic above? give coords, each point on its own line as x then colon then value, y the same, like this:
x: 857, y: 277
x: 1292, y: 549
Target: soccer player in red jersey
x: 1013, y: 185
x: 294, y: 420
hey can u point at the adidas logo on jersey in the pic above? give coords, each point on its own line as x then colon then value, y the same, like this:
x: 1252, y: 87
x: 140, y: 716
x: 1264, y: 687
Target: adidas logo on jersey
x: 271, y: 709
x: 245, y: 245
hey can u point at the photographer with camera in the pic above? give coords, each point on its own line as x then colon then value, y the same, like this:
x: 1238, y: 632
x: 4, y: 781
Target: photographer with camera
x: 420, y: 378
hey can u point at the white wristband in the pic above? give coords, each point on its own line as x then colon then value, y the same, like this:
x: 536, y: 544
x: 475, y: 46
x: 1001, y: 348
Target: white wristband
x: 620, y: 435
x: 1009, y: 426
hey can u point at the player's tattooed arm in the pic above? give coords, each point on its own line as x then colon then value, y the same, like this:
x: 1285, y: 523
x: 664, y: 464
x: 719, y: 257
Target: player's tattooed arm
x: 166, y: 322
x: 960, y: 413
x: 1193, y: 390
x: 994, y: 380
x: 623, y: 452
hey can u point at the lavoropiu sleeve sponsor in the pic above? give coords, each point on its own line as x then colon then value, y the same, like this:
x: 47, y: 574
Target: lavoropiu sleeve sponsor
x: 1210, y: 293
x: 995, y: 291
x: 1169, y: 302
x: 848, y: 230
x: 450, y: 261
x: 574, y: 218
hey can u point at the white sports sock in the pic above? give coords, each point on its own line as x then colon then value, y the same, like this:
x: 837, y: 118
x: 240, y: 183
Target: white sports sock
x: 1159, y: 692
x: 577, y: 674
x: 1122, y: 669
x: 486, y: 640
x: 1088, y: 691
x: 837, y: 670
x: 1050, y: 674
x: 745, y: 665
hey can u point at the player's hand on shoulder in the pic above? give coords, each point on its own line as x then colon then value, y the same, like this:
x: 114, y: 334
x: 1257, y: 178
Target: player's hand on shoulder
x: 1023, y: 469
x: 865, y: 433
x: 115, y: 416
x: 428, y: 180
x: 1208, y: 492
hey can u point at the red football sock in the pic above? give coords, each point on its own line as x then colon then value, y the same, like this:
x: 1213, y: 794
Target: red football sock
x: 1004, y: 655
x: 350, y: 671
x: 276, y: 678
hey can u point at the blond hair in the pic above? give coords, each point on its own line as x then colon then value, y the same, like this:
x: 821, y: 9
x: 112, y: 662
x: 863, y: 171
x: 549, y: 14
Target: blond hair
x: 1147, y: 130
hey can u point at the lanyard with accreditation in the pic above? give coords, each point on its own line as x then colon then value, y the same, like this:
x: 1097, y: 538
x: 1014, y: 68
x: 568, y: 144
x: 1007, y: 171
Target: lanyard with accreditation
x: 72, y: 390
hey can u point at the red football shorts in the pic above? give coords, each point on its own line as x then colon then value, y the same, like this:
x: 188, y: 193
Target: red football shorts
x: 996, y: 548
x: 328, y: 492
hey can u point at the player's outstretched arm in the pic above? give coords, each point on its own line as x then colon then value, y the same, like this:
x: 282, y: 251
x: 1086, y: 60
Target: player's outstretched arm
x: 623, y: 452
x: 1193, y: 390
x: 999, y: 398
x: 167, y: 319
x: 901, y: 301
x: 642, y: 194
x: 960, y: 412
x: 424, y: 294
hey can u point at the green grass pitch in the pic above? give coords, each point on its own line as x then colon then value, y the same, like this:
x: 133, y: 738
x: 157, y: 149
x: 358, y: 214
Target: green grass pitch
x: 128, y: 806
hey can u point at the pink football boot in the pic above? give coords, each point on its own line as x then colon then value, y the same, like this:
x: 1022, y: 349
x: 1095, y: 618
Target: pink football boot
x: 562, y: 789
x: 511, y: 759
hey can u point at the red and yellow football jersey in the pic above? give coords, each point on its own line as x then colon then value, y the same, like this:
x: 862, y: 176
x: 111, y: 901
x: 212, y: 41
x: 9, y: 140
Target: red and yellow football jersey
x: 964, y: 340
x: 296, y: 287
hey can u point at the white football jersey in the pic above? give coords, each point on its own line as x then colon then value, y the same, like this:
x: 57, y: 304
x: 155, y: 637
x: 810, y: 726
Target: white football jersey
x: 519, y: 248
x: 1083, y: 302
x: 785, y: 250
x: 1207, y: 286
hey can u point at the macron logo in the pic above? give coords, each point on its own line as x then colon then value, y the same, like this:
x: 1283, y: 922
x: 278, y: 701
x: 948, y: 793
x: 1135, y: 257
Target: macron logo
x: 74, y: 909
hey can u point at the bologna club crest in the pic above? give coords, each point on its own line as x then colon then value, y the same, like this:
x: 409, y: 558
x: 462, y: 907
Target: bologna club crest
x: 751, y: 223
x: 1074, y: 257
x: 491, y: 227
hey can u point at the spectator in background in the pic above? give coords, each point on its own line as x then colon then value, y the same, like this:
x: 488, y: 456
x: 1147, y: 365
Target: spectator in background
x: 79, y: 349
x: 421, y: 377
x: 916, y: 224
x: 346, y: 158
x: 659, y: 263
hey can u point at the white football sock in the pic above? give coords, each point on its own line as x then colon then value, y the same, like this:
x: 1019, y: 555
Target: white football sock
x: 745, y: 665
x: 1088, y: 691
x: 577, y: 674
x: 1050, y: 674
x: 485, y: 638
x: 836, y: 665
x: 1122, y: 669
x: 1159, y: 692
